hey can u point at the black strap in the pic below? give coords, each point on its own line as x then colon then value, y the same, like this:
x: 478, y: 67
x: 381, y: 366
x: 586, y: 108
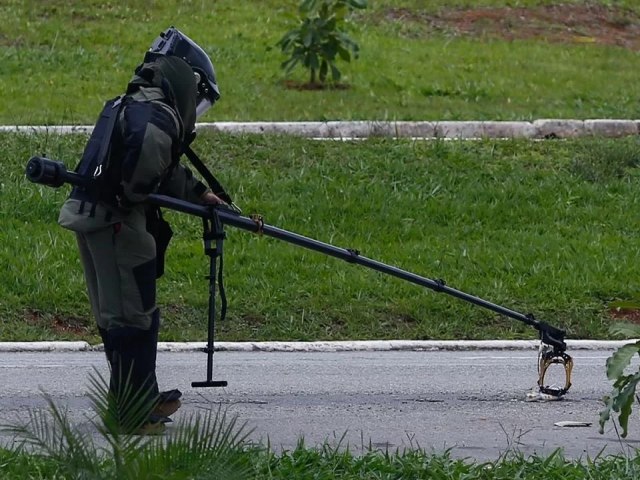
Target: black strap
x: 106, y: 143
x: 213, y: 182
x: 111, y: 112
x: 218, y: 189
x: 213, y: 231
x: 223, y: 295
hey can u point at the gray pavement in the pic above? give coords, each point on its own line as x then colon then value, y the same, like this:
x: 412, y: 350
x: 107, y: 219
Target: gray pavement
x: 471, y: 402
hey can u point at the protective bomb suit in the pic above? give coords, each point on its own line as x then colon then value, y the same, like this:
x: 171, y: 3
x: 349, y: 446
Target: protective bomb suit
x: 122, y: 240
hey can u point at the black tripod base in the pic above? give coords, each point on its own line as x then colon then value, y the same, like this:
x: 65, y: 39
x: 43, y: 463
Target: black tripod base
x: 209, y: 383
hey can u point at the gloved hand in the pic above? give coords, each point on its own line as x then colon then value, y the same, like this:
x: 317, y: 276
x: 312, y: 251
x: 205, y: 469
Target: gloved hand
x: 211, y: 198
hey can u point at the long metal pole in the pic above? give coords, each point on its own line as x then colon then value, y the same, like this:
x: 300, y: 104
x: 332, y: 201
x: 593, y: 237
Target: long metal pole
x: 48, y: 172
x: 549, y: 334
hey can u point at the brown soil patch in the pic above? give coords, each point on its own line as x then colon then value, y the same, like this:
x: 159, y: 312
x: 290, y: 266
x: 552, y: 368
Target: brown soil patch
x: 58, y: 323
x: 589, y: 23
x: 295, y: 85
x: 631, y: 315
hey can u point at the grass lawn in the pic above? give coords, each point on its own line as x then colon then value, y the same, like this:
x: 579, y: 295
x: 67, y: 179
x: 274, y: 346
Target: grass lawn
x: 436, y: 60
x: 542, y: 228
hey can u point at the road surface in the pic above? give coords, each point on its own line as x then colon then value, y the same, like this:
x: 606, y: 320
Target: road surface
x: 471, y: 403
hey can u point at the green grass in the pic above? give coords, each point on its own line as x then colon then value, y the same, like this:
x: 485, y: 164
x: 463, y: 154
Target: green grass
x: 62, y: 59
x: 540, y: 227
x: 329, y: 463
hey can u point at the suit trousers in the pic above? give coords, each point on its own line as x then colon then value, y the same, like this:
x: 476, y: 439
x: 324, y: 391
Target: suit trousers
x: 119, y: 263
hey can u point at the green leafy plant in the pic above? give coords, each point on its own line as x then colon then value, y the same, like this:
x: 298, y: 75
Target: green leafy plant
x: 321, y: 38
x: 199, y: 446
x: 623, y: 395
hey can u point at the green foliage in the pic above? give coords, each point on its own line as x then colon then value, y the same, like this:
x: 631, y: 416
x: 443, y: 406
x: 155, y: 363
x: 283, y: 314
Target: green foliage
x: 409, y: 72
x: 329, y: 462
x: 623, y: 394
x: 200, y: 446
x: 320, y: 38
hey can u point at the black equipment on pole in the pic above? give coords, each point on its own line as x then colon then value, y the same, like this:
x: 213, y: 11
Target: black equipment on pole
x: 49, y: 172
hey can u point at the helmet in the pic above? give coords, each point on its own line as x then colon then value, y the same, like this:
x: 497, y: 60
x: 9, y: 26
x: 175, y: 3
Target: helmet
x: 172, y: 42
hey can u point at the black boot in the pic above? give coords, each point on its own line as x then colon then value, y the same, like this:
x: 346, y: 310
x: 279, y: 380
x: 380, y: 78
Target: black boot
x: 108, y: 350
x: 133, y: 384
x: 168, y: 403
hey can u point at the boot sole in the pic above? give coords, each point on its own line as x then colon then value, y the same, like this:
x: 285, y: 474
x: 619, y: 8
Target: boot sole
x: 167, y: 408
x: 151, y: 429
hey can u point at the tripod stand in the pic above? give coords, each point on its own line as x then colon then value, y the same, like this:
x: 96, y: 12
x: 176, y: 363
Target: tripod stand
x: 213, y: 237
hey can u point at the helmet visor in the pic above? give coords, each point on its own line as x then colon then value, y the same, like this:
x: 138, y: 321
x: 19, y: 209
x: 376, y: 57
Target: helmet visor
x: 203, y: 104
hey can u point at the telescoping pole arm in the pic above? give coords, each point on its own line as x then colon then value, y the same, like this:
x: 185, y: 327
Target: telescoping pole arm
x: 553, y: 352
x: 52, y: 173
x: 549, y: 335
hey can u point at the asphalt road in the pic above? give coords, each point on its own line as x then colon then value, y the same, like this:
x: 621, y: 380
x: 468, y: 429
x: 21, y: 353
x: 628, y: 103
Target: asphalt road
x: 472, y: 403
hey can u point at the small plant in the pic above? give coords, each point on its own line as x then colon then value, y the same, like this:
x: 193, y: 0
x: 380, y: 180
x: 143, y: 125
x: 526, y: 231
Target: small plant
x: 199, y: 446
x: 623, y: 394
x: 320, y: 38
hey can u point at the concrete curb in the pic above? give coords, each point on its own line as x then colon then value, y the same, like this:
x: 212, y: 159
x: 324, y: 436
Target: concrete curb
x: 337, y: 346
x: 538, y: 129
x: 44, y: 346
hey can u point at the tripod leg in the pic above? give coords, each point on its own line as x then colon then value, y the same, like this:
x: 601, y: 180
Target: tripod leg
x: 213, y: 253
